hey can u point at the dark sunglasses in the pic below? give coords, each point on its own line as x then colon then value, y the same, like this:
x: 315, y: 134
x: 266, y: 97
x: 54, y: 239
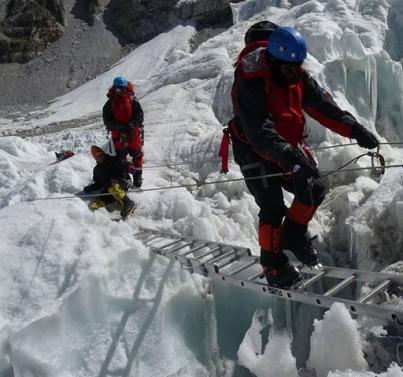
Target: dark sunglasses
x: 120, y: 89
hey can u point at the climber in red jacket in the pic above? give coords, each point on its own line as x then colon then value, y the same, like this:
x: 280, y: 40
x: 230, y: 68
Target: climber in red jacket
x: 123, y: 116
x: 270, y: 92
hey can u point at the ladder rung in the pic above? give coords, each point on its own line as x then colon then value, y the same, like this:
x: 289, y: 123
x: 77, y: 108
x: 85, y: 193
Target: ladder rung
x: 233, y: 258
x: 194, y: 249
x: 379, y: 288
x: 147, y: 241
x: 177, y: 248
x: 170, y: 244
x: 259, y: 274
x: 340, y: 286
x: 211, y: 251
x: 242, y: 268
x: 222, y: 256
x: 312, y: 280
x: 144, y: 235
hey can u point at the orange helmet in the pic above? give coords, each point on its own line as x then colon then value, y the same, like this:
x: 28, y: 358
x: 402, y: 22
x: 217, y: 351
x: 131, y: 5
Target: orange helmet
x: 97, y: 153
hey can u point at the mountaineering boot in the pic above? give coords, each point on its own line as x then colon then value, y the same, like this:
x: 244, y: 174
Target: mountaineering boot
x: 128, y: 207
x: 117, y: 192
x: 138, y: 178
x: 278, y: 270
x: 126, y: 204
x: 295, y: 240
x: 283, y: 277
x: 96, y: 204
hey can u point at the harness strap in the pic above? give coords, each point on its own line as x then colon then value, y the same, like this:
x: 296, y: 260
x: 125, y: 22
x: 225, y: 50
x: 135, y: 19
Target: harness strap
x: 253, y: 165
x: 236, y: 132
x: 263, y: 172
x: 224, y: 150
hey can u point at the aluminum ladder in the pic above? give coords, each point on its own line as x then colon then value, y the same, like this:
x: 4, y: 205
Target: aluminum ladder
x: 237, y: 266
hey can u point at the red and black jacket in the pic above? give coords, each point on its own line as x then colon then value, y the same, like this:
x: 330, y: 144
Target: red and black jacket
x: 122, y: 111
x: 269, y: 116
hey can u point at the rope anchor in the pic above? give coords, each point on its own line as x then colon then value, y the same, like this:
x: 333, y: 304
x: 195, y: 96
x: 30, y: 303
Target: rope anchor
x: 377, y: 170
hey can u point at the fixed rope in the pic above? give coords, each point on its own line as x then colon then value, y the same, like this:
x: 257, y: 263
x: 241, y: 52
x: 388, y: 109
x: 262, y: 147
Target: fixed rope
x: 216, y: 160
x: 374, y: 156
x: 200, y: 184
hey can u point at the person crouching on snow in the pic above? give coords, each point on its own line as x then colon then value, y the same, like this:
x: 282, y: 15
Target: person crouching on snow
x: 110, y: 175
x: 123, y: 116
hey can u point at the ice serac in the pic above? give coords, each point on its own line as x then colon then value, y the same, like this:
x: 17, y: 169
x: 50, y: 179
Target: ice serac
x: 345, y: 352
x: 377, y: 224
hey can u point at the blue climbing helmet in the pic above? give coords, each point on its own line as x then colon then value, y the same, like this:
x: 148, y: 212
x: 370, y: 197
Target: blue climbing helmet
x: 287, y: 44
x: 120, y: 82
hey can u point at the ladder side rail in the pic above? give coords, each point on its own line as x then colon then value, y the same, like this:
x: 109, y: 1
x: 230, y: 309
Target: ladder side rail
x: 369, y: 277
x: 211, y: 268
x: 353, y: 307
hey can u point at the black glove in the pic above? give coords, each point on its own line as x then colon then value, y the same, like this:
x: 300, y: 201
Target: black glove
x: 365, y: 138
x: 126, y: 129
x: 305, y: 170
x: 295, y: 161
x: 114, y: 126
x: 133, y: 125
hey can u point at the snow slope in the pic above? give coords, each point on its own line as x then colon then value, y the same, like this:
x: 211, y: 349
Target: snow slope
x: 72, y: 279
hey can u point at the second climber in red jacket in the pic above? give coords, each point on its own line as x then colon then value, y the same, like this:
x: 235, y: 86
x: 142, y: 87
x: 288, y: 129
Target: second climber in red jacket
x: 270, y: 92
x: 123, y: 116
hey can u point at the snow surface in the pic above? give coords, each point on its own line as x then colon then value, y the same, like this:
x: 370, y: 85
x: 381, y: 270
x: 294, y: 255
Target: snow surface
x: 71, y: 279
